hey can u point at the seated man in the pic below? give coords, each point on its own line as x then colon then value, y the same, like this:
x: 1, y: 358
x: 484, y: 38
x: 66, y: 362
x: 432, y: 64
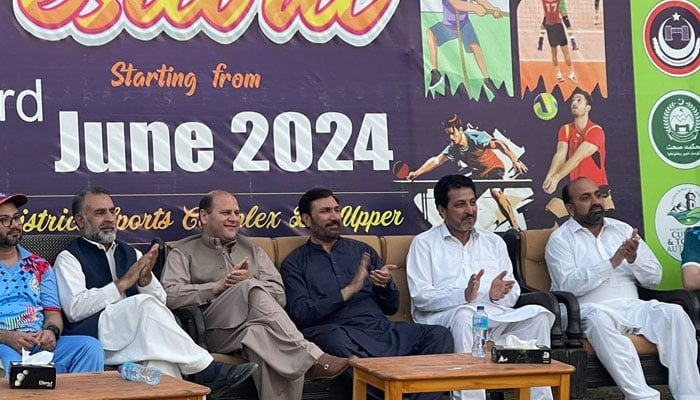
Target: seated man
x: 108, y: 291
x: 601, y: 260
x: 243, y: 298
x: 690, y: 259
x: 30, y: 313
x: 453, y: 267
x: 338, y: 293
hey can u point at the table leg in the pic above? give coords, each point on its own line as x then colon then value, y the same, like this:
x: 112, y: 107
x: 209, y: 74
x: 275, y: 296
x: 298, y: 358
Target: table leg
x: 359, y: 388
x: 563, y: 391
x: 393, y: 391
x: 522, y: 393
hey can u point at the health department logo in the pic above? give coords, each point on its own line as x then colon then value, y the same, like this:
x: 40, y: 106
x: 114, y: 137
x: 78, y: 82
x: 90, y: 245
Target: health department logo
x: 674, y: 129
x: 678, y: 209
x: 671, y: 37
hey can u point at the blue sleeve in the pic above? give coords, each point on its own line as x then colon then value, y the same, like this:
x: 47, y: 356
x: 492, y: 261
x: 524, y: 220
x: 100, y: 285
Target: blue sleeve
x: 304, y: 308
x: 691, y: 246
x: 49, y: 291
x: 448, y: 152
x: 480, y: 138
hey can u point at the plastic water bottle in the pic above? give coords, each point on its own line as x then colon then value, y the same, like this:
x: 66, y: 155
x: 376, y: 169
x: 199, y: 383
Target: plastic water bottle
x: 480, y: 323
x: 136, y: 372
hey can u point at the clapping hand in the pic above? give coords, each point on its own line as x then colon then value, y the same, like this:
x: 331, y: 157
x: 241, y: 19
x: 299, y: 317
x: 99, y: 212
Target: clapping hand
x: 382, y: 276
x: 472, y: 289
x: 500, y: 287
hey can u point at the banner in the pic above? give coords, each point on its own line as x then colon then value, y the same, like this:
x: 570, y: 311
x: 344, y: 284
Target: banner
x: 161, y: 101
x: 668, y: 120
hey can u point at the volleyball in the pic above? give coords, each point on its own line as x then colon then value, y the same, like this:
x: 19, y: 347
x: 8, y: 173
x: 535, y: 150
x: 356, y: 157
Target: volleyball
x: 545, y: 106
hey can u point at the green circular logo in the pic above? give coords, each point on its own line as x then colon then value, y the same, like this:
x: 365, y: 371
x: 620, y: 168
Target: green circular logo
x: 674, y: 129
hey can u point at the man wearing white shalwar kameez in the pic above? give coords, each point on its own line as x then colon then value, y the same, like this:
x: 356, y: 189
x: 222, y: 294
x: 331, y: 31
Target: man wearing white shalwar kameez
x: 453, y: 267
x: 601, y: 260
x: 107, y: 290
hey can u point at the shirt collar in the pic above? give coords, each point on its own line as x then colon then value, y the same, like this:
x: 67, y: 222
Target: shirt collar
x: 320, y: 246
x: 100, y: 246
x: 608, y: 223
x: 445, y: 233
x: 217, y: 243
x: 23, y: 253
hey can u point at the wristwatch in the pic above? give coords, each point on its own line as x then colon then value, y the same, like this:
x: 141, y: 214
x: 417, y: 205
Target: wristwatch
x: 53, y: 328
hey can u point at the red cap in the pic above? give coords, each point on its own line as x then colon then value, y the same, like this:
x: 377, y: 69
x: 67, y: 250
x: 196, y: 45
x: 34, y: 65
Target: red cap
x: 17, y: 199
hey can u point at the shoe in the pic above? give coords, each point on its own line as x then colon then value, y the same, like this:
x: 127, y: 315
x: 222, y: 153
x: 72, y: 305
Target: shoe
x: 221, y: 377
x: 436, y: 79
x: 327, y: 367
x: 574, y: 46
x: 559, y: 77
x: 490, y: 86
x: 572, y: 76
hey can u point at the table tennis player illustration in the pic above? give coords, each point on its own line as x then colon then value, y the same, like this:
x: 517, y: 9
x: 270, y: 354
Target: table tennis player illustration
x: 490, y: 159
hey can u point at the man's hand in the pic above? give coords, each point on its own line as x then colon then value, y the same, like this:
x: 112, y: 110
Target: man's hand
x: 412, y: 175
x: 19, y: 340
x: 358, y: 281
x: 627, y: 250
x: 47, y: 340
x: 520, y: 166
x: 631, y: 245
x: 382, y: 277
x: 238, y: 274
x: 550, y: 184
x: 472, y: 289
x: 142, y: 266
x: 500, y: 287
x: 151, y: 256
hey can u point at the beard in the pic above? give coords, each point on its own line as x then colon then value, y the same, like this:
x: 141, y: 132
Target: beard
x: 96, y: 235
x: 466, y: 224
x: 7, y: 242
x: 594, y: 216
x: 328, y: 233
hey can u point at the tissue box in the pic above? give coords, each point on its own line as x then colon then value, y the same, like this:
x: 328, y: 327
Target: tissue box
x: 502, y: 354
x: 32, y: 376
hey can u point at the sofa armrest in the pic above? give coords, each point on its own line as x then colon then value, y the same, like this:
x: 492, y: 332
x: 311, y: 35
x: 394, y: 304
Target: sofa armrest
x: 191, y: 320
x: 548, y: 301
x: 574, y: 331
x: 688, y: 300
x: 160, y: 260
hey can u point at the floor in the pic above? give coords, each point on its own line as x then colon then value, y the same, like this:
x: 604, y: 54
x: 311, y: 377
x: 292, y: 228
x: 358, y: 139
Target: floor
x: 610, y: 393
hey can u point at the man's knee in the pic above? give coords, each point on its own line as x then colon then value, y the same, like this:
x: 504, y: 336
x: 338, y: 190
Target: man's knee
x: 436, y: 339
x: 544, y: 320
x: 674, y: 314
x: 441, y: 338
x: 599, y: 325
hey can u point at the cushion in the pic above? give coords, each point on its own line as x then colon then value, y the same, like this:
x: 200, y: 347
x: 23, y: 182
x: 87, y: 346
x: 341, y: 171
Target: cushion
x: 534, y: 268
x: 266, y: 244
x: 395, y: 250
x: 640, y: 343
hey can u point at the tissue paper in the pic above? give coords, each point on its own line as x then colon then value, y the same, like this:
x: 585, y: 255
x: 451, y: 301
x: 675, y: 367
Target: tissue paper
x: 517, y: 351
x: 35, y: 371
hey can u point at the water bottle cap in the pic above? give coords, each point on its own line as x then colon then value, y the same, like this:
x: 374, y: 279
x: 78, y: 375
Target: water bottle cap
x: 479, y: 308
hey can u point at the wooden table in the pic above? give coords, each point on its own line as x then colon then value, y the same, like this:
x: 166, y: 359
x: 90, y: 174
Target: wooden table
x: 107, y: 386
x: 445, y: 372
